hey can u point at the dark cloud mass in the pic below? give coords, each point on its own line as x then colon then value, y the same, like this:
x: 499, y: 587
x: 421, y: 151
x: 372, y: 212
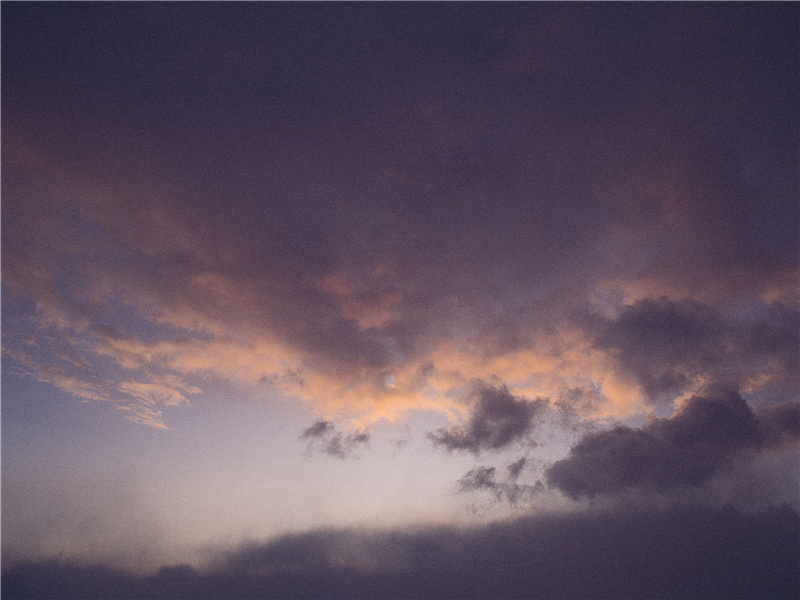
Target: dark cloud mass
x: 684, y: 450
x: 779, y: 424
x: 688, y: 552
x: 350, y: 192
x: 498, y: 419
x: 667, y: 345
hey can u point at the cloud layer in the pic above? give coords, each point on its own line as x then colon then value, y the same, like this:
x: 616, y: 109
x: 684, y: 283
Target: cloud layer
x: 681, y: 552
x: 370, y: 231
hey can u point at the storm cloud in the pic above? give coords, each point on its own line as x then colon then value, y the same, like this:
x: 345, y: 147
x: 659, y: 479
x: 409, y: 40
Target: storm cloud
x: 665, y: 454
x: 436, y: 222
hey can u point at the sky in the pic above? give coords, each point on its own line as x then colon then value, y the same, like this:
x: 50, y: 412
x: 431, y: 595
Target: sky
x: 400, y: 300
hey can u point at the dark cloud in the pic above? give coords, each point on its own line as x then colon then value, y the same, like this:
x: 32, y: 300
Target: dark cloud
x: 497, y: 420
x: 779, y: 424
x: 690, y: 552
x: 324, y: 437
x: 357, y: 187
x: 666, y: 454
x: 666, y: 345
x: 515, y: 468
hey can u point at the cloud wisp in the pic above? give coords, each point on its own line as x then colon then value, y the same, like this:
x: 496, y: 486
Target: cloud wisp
x: 483, y: 478
x: 323, y: 437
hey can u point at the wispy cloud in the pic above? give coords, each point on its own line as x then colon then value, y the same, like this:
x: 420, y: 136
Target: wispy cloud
x: 323, y: 436
x: 484, y: 478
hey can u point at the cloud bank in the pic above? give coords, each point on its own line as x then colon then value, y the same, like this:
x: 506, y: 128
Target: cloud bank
x: 680, y: 552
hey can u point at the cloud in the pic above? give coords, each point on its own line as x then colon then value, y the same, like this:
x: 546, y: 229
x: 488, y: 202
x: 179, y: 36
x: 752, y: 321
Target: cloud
x: 557, y: 183
x: 318, y: 429
x: 70, y: 363
x: 619, y: 552
x: 673, y: 346
x: 515, y: 468
x: 483, y: 478
x: 323, y: 437
x: 779, y: 424
x: 699, y: 440
x: 367, y: 218
x: 497, y: 420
